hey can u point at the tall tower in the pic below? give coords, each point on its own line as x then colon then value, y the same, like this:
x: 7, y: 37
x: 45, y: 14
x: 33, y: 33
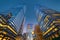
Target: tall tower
x: 29, y: 31
x: 20, y: 31
x: 19, y: 21
x: 21, y: 28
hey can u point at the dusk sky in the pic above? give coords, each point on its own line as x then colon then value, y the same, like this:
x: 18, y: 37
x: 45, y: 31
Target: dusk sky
x: 30, y: 4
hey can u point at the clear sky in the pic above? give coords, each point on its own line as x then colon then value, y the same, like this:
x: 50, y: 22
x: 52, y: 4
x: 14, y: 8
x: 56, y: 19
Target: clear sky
x: 30, y: 15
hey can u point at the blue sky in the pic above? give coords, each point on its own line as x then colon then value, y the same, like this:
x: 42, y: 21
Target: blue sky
x: 30, y: 4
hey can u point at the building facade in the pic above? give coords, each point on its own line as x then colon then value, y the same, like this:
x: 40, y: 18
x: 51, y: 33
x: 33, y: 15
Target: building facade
x: 7, y: 32
x: 29, y: 31
x: 49, y: 21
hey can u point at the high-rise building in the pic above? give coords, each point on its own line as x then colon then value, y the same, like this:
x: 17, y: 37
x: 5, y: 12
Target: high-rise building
x: 19, y: 22
x: 7, y: 31
x: 19, y: 34
x: 29, y: 31
x: 49, y: 20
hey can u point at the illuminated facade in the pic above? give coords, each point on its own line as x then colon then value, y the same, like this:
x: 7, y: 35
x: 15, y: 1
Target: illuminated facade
x: 7, y: 32
x: 49, y: 21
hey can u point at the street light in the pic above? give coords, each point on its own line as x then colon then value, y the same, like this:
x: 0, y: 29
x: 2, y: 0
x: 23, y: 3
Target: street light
x: 32, y: 32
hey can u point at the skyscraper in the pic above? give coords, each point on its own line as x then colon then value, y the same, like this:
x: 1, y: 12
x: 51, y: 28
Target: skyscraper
x: 29, y: 31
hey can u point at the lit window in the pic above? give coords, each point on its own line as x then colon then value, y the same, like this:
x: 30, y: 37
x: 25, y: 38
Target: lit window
x: 4, y: 39
x: 56, y: 35
x: 0, y: 38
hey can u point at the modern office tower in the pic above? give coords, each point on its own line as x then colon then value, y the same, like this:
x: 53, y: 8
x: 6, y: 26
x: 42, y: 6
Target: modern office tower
x: 7, y: 31
x: 18, y: 18
x: 19, y: 22
x: 49, y: 21
x: 29, y: 31
x: 10, y: 26
x: 19, y: 34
